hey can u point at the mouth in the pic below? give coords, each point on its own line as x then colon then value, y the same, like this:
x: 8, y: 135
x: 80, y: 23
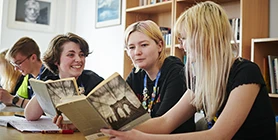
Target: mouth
x: 139, y: 60
x: 77, y: 67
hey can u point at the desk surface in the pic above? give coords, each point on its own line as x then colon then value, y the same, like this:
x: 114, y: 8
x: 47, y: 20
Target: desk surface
x: 10, y: 133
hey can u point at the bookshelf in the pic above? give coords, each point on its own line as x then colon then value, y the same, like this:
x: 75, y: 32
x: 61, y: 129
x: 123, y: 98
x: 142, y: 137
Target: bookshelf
x: 260, y: 48
x: 253, y: 14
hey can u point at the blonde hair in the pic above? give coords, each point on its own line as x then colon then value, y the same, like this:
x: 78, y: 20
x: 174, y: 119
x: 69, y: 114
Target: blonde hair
x: 210, y: 54
x: 9, y: 76
x: 150, y: 29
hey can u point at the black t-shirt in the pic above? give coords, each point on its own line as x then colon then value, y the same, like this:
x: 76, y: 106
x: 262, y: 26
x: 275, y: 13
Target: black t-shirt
x: 171, y: 87
x: 89, y: 80
x: 260, y: 122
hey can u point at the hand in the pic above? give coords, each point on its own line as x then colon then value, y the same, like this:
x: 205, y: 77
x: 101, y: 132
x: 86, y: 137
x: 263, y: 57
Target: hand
x: 5, y: 97
x: 58, y: 120
x: 125, y: 135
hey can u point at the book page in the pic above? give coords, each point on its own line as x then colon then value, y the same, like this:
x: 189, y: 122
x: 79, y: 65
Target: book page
x: 21, y: 124
x: 117, y: 103
x: 41, y: 93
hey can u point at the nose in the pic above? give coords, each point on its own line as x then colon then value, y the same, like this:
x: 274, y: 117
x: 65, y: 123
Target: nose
x: 78, y: 58
x: 138, y: 51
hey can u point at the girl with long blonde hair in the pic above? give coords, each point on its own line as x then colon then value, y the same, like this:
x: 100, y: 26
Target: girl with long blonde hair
x: 230, y: 90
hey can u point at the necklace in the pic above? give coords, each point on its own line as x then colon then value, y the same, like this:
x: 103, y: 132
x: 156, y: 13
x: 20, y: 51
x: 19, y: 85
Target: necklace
x: 147, y: 101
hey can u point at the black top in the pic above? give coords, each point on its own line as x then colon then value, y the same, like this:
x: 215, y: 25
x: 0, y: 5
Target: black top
x: 260, y: 122
x: 89, y: 80
x: 171, y: 87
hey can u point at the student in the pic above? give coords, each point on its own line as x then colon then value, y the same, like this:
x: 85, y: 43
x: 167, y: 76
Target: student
x: 230, y: 90
x: 65, y: 56
x: 157, y: 80
x: 25, y: 57
x: 12, y: 82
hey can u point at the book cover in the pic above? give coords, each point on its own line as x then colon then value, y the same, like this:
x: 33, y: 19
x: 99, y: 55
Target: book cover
x: 111, y: 104
x: 50, y: 93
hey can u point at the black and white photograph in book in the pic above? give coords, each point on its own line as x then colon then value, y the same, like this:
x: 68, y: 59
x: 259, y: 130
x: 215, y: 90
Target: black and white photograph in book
x: 58, y: 90
x: 36, y: 15
x: 117, y: 104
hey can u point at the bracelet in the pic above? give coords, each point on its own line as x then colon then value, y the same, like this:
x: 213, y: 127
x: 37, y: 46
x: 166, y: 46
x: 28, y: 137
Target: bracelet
x: 22, y: 102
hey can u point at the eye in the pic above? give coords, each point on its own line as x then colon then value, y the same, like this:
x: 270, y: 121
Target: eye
x: 130, y: 47
x: 144, y: 44
x: 70, y: 54
x: 82, y: 55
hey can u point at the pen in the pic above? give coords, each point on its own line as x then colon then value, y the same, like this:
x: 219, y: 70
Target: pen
x: 17, y: 115
x: 57, y: 131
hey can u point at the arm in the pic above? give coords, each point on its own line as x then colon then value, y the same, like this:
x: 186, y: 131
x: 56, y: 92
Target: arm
x: 33, y: 110
x: 234, y: 114
x: 7, y: 98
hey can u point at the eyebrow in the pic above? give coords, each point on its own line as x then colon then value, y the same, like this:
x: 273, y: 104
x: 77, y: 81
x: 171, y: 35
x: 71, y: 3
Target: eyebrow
x: 139, y: 42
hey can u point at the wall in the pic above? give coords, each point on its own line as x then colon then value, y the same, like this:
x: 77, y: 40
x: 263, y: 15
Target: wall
x: 273, y: 32
x: 105, y: 43
x: 78, y: 17
x: 10, y: 35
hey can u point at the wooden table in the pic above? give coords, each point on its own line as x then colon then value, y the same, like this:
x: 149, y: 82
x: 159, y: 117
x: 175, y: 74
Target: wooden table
x: 10, y: 133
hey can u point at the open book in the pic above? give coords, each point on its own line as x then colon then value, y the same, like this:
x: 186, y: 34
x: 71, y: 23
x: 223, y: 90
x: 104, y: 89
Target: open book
x: 21, y: 124
x: 50, y: 93
x: 111, y: 104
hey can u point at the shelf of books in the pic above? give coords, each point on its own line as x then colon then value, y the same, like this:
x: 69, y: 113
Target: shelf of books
x: 249, y: 19
x: 264, y: 52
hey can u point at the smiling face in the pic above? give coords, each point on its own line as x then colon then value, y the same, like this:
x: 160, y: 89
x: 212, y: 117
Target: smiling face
x: 72, y: 61
x: 143, y: 51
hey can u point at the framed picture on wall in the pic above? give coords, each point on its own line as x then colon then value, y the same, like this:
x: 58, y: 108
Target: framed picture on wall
x: 35, y: 15
x: 108, y: 13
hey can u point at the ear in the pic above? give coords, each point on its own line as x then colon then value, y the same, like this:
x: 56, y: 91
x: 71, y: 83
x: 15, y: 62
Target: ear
x: 33, y: 57
x: 56, y: 63
x: 160, y: 45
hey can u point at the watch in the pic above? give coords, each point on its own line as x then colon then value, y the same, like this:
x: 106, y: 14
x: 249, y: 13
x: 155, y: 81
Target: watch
x: 15, y: 100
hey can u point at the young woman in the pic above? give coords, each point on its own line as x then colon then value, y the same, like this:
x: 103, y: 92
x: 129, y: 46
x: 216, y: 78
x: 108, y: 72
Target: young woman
x: 157, y: 80
x: 65, y: 56
x: 13, y: 83
x: 230, y: 90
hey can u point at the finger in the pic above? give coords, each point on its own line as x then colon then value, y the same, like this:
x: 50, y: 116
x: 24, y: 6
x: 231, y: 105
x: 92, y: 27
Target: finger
x: 59, y: 121
x: 110, y: 132
x: 54, y: 120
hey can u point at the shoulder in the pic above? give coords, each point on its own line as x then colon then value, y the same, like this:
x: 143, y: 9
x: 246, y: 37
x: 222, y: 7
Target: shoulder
x: 172, y: 66
x: 245, y: 72
x: 243, y: 66
x: 135, y: 76
x: 90, y: 75
x: 48, y: 75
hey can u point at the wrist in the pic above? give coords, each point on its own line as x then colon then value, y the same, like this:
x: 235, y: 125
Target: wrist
x: 15, y: 100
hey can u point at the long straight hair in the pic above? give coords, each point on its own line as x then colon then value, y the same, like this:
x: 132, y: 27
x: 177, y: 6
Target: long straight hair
x: 9, y: 76
x: 210, y: 54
